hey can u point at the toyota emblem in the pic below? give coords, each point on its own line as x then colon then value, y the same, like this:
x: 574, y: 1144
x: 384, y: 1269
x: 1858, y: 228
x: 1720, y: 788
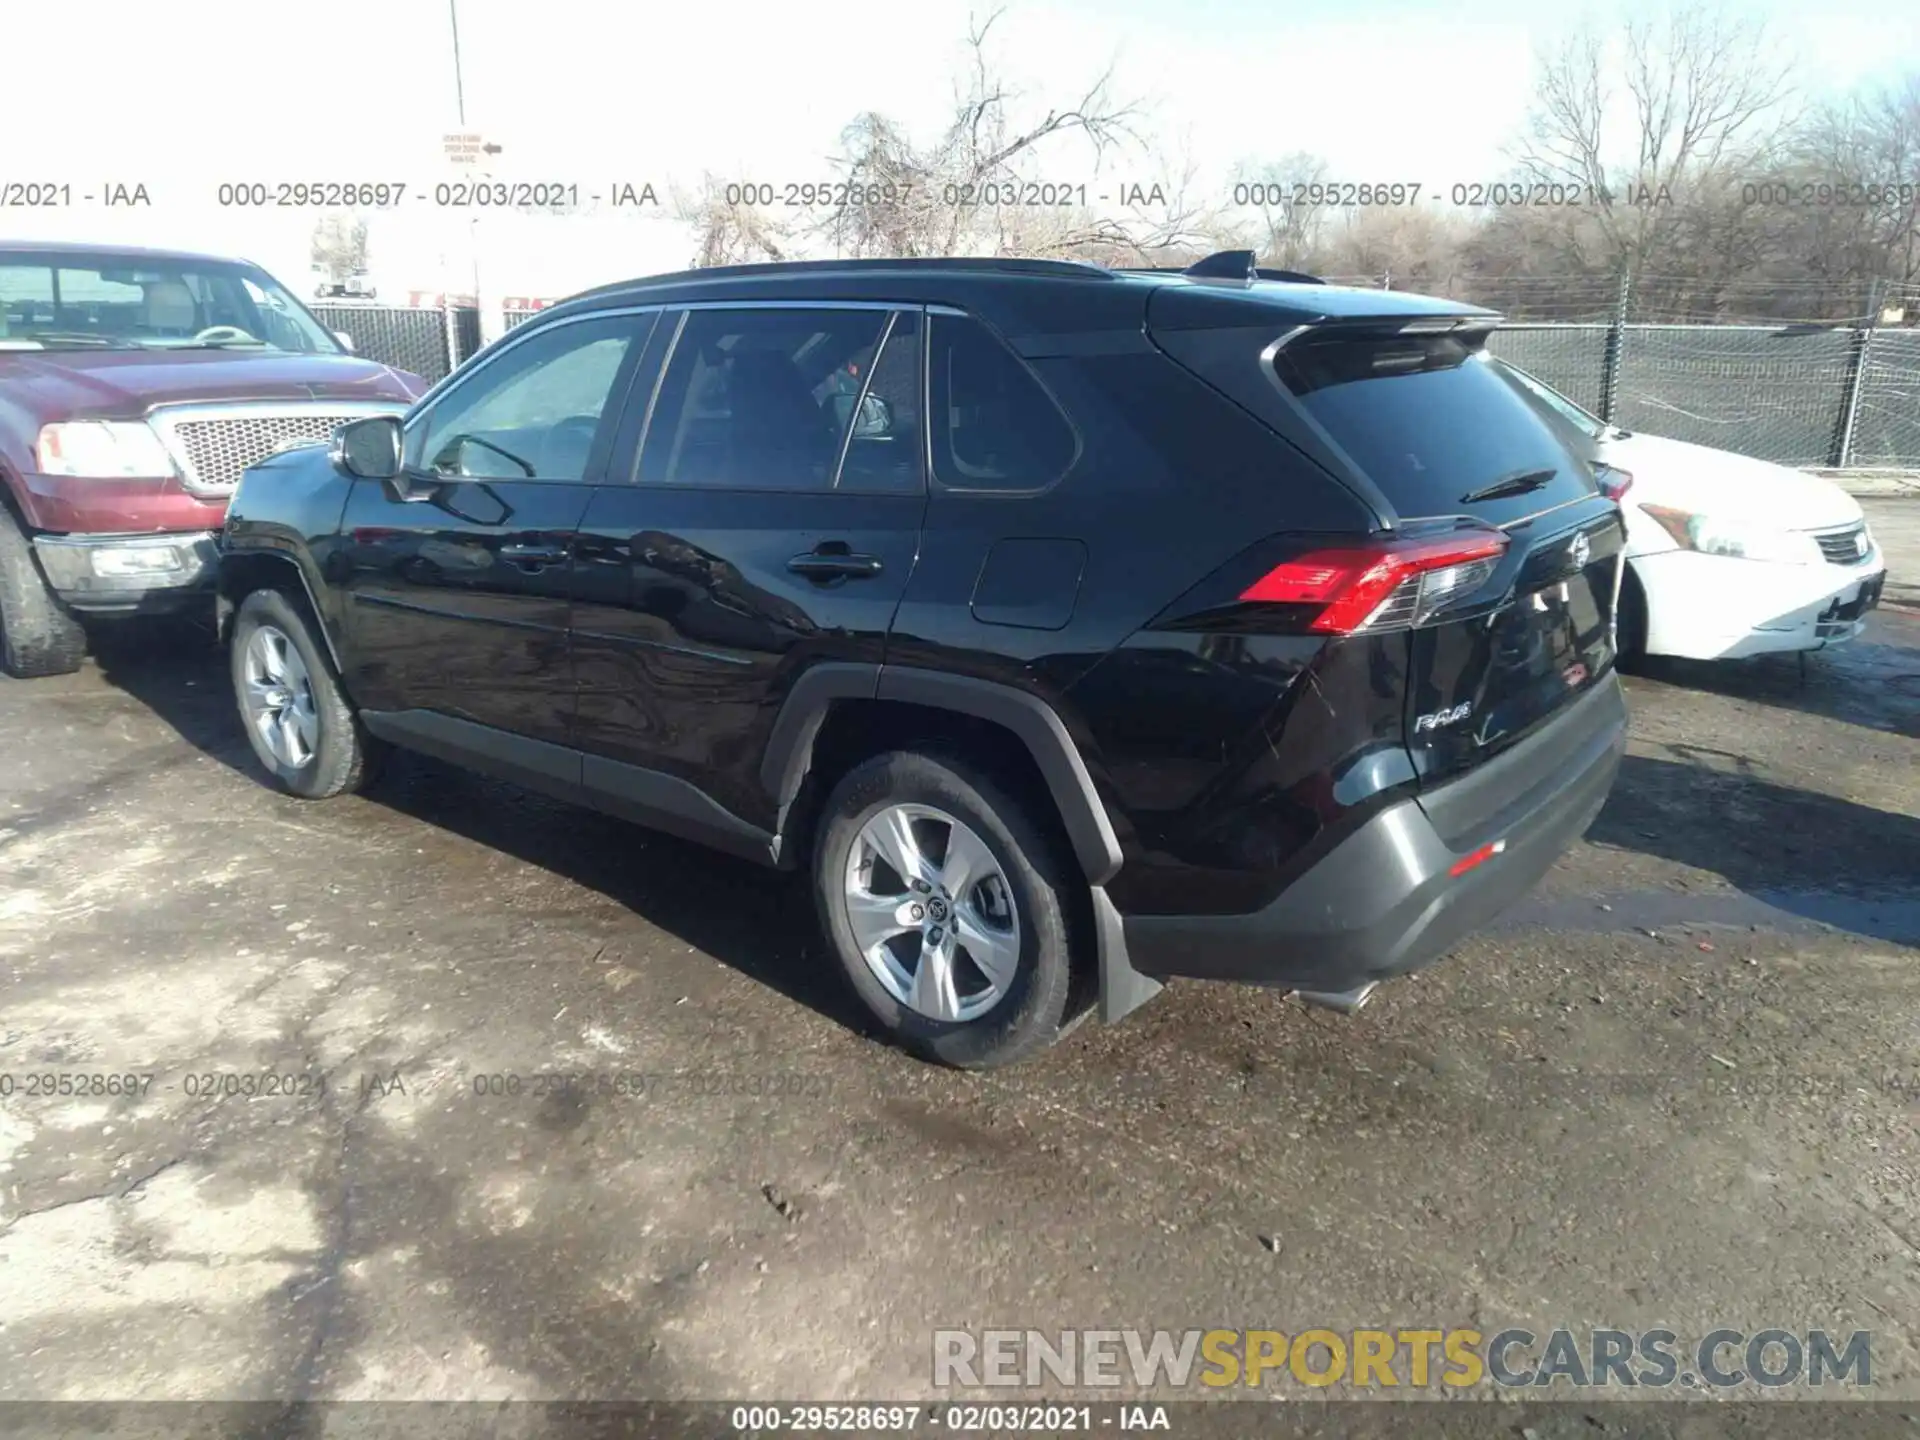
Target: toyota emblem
x: 1580, y: 551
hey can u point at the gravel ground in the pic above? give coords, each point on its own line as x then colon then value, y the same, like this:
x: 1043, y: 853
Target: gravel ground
x: 1676, y: 1087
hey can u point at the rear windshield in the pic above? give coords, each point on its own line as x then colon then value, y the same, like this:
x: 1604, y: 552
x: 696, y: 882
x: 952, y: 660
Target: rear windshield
x: 1428, y: 420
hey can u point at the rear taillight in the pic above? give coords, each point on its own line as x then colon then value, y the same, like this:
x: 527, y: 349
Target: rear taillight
x: 1382, y: 585
x: 1613, y: 483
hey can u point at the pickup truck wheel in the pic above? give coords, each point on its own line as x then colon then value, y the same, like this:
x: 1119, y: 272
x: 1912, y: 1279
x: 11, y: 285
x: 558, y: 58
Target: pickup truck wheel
x: 946, y: 903
x: 296, y: 716
x: 37, y: 635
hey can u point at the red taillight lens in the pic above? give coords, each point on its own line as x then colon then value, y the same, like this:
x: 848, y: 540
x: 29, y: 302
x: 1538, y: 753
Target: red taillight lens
x: 1613, y: 483
x: 1388, y: 585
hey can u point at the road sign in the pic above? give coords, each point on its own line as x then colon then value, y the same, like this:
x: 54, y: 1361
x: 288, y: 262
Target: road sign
x: 465, y: 147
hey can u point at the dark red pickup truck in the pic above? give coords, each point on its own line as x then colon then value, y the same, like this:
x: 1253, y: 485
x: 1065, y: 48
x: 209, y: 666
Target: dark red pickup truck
x: 135, y: 386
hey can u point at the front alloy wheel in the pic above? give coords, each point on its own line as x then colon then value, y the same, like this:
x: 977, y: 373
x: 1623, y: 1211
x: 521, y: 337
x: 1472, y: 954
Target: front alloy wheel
x: 277, y: 695
x: 296, y: 716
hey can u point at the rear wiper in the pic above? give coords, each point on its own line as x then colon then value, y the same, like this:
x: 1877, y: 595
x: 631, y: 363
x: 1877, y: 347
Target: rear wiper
x: 1513, y: 485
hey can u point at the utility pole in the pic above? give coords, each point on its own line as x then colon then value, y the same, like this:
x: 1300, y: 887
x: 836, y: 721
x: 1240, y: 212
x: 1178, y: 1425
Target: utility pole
x: 459, y: 85
x: 473, y: 218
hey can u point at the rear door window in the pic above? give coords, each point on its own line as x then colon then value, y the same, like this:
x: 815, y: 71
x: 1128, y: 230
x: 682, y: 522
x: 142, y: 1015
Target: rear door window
x: 1430, y: 423
x: 762, y: 399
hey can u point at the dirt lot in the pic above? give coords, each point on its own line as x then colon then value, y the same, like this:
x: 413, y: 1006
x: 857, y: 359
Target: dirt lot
x: 1678, y: 1087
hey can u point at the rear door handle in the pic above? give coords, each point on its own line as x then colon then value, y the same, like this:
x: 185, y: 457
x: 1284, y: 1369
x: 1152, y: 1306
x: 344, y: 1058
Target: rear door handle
x: 832, y: 565
x: 519, y: 553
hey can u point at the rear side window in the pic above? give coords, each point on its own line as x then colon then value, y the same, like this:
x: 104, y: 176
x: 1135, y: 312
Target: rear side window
x: 1425, y: 418
x: 995, y: 427
x: 762, y: 399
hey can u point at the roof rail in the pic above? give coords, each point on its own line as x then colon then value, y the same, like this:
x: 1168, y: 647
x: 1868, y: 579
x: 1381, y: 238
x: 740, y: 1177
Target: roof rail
x: 950, y: 264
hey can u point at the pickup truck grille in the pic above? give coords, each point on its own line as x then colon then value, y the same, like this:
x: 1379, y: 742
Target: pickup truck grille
x: 1843, y: 546
x: 213, y: 446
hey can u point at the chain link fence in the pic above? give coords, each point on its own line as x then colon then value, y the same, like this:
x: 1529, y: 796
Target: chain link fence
x: 1886, y: 432
x: 406, y: 337
x: 1839, y: 394
x: 1807, y: 395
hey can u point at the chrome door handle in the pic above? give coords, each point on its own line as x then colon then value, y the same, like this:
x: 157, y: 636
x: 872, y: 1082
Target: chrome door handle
x: 515, y: 553
x: 829, y: 565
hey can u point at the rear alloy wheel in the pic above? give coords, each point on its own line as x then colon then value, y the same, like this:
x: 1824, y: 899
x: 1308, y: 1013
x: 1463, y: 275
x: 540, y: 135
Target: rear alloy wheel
x: 37, y: 635
x: 290, y: 701
x: 944, y: 900
x: 931, y: 913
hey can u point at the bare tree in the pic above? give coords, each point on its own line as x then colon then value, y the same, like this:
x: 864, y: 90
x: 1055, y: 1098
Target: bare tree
x: 728, y: 230
x: 1411, y: 247
x: 1852, y: 170
x: 1700, y: 88
x: 339, y: 246
x: 978, y: 186
x: 1286, y: 229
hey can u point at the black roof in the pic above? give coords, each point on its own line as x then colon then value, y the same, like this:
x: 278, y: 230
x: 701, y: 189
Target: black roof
x: 1026, y: 296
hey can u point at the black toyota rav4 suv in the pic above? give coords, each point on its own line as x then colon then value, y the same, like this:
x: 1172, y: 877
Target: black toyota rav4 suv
x: 1072, y: 628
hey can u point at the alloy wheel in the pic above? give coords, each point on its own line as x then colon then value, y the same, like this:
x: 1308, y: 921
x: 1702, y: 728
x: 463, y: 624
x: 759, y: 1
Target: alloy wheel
x: 932, y: 912
x: 277, y: 692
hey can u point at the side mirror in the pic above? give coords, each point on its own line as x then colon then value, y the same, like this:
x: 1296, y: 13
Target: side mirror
x: 369, y: 448
x: 345, y: 339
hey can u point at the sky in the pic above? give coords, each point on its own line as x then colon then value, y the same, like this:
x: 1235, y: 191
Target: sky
x: 595, y: 92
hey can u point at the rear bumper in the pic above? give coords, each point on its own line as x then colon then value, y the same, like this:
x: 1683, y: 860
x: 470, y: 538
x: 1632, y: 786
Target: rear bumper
x: 129, y: 574
x: 1383, y: 901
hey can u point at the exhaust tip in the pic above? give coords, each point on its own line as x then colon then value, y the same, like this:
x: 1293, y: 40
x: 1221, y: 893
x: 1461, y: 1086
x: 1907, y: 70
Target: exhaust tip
x: 1347, y: 1002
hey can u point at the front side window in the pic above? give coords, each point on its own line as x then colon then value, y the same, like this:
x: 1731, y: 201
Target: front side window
x: 762, y: 399
x: 65, y: 301
x: 532, y: 413
x: 995, y: 428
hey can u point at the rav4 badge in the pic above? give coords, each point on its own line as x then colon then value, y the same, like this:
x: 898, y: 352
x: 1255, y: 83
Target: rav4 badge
x: 1443, y: 717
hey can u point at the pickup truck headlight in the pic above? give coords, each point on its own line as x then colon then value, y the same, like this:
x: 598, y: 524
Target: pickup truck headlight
x: 1740, y: 539
x: 104, y: 450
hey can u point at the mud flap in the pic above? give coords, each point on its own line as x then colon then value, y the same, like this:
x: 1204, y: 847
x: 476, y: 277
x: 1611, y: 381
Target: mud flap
x: 1123, y: 989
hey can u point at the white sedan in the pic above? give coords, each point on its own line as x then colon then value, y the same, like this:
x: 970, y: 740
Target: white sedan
x: 1727, y: 556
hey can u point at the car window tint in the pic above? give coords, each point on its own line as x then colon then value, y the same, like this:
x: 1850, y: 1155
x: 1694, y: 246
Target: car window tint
x: 1427, y: 422
x: 995, y: 427
x: 759, y: 399
x: 884, y: 452
x: 532, y: 413
x: 1585, y: 422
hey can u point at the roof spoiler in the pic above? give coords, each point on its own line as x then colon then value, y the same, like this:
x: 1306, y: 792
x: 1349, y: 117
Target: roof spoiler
x: 1243, y: 265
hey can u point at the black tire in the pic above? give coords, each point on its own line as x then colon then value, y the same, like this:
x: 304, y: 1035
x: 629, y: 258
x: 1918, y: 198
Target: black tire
x: 1040, y: 878
x: 1630, y: 644
x: 37, y: 635
x: 345, y: 757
